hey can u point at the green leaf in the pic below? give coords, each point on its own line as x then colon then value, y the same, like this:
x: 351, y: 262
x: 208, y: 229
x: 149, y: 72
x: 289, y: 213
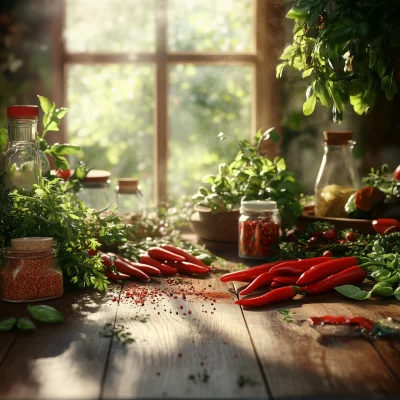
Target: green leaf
x: 353, y: 292
x: 337, y: 98
x: 342, y: 31
x: 307, y: 72
x: 52, y: 126
x: 63, y: 149
x: 25, y: 324
x: 45, y: 104
x: 299, y: 11
x: 208, y: 179
x: 45, y: 314
x: 288, y: 53
x: 381, y: 65
x: 322, y: 93
x: 309, y: 105
x: 388, y: 85
x: 61, y: 162
x: 60, y: 112
x: 397, y: 293
x: 279, y: 69
x: 271, y: 134
x: 378, y: 248
x: 7, y: 324
x: 373, y: 57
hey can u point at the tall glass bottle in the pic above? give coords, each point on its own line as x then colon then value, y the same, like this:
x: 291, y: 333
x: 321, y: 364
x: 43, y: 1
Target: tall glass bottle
x: 337, y: 178
x: 22, y: 161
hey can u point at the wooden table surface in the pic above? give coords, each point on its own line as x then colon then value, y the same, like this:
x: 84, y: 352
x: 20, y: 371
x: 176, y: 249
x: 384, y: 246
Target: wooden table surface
x: 192, y: 341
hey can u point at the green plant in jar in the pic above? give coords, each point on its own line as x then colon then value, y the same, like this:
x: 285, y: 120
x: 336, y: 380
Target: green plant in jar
x: 251, y: 176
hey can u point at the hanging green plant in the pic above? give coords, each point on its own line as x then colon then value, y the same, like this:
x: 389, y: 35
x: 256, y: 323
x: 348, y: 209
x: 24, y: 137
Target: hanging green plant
x: 349, y: 48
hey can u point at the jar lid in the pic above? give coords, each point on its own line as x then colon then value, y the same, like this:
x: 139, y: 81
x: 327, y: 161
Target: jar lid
x: 126, y: 185
x: 97, y: 176
x: 32, y: 243
x: 22, y: 111
x: 258, y: 205
x: 338, y: 137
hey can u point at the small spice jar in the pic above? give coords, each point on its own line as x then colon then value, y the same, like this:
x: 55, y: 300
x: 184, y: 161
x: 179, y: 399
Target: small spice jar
x: 29, y: 271
x: 259, y: 228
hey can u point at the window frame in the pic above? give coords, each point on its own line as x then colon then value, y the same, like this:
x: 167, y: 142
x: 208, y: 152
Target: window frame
x: 266, y: 94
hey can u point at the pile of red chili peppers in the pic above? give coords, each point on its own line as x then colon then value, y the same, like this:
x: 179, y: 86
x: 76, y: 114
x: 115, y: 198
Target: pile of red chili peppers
x: 288, y: 278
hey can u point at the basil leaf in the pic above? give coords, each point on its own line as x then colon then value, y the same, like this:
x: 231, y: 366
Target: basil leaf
x: 322, y: 93
x: 25, y: 324
x: 397, y: 293
x: 7, y: 324
x: 45, y: 104
x: 388, y: 85
x: 309, y: 104
x: 45, y: 314
x: 353, y: 292
x: 63, y: 149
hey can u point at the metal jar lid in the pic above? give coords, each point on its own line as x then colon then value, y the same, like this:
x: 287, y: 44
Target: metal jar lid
x: 258, y: 205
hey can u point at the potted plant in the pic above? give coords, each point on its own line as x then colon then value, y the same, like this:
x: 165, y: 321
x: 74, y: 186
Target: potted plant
x: 350, y: 49
x: 250, y: 176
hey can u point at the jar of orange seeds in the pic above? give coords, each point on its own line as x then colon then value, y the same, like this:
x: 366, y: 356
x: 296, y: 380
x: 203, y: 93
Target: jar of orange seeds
x: 29, y: 271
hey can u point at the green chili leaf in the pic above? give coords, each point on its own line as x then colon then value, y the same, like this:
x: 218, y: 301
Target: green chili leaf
x: 45, y: 314
x: 7, y: 324
x: 25, y: 324
x: 353, y: 292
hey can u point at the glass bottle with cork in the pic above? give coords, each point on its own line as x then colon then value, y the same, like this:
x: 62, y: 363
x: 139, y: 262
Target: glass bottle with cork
x: 130, y: 199
x: 337, y: 178
x: 23, y: 162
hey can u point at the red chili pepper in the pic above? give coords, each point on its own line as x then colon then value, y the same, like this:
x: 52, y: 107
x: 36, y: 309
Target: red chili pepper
x: 147, y: 269
x: 92, y: 252
x: 188, y: 257
x: 187, y: 267
x: 361, y: 322
x: 165, y: 269
x: 262, y: 280
x: 276, y: 285
x: 350, y: 276
x: 123, y: 267
x: 248, y: 275
x: 326, y: 269
x: 161, y: 254
x: 274, y: 296
x: 286, y: 280
x: 115, y: 277
x: 297, y: 267
x: 386, y: 225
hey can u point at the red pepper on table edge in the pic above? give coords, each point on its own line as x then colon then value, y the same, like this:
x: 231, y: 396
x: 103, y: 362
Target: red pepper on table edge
x: 264, y: 279
x: 115, y: 277
x: 123, y: 267
x: 350, y: 276
x: 361, y: 322
x: 274, y: 296
x: 321, y: 271
x: 147, y: 269
x: 187, y: 267
x: 165, y: 269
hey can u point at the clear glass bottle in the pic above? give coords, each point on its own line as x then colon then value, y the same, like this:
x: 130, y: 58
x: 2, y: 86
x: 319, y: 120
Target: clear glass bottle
x: 130, y: 199
x: 22, y: 161
x: 259, y: 229
x: 337, y: 178
x: 96, y: 191
x: 29, y: 271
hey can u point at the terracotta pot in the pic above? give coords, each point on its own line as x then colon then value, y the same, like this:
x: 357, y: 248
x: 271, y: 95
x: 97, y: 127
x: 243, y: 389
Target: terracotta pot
x: 220, y: 226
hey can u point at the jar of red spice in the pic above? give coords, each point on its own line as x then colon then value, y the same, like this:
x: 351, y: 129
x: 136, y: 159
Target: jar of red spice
x: 259, y: 228
x: 29, y: 271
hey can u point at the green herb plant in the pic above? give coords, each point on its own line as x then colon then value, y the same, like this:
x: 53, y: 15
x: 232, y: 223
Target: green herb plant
x: 251, y: 176
x: 348, y: 48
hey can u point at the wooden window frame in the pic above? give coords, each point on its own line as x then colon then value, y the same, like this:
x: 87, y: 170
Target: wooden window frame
x: 266, y: 97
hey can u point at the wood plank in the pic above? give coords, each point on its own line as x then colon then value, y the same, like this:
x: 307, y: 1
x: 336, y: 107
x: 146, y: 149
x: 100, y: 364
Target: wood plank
x: 298, y: 362
x: 196, y: 346
x: 64, y: 360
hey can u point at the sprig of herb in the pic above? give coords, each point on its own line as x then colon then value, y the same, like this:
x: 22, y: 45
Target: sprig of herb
x: 242, y: 381
x: 202, y: 377
x: 288, y: 316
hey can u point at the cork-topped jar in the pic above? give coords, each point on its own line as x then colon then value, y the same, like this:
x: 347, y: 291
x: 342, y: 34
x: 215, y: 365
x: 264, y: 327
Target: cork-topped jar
x: 337, y: 178
x: 29, y: 271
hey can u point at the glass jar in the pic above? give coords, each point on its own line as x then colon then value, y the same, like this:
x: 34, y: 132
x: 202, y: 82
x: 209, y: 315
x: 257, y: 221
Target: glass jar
x: 29, y: 271
x: 96, y: 191
x: 23, y: 162
x: 337, y: 178
x: 259, y: 229
x: 129, y: 197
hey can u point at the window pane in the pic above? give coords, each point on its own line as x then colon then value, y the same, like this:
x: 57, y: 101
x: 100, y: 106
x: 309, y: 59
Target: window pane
x: 111, y: 119
x: 110, y: 26
x: 210, y: 25
x: 203, y: 101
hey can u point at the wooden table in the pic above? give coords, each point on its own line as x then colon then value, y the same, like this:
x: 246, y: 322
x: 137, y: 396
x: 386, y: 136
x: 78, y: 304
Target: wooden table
x: 195, y: 343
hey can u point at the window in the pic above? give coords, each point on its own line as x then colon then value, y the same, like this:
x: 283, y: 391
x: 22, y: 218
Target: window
x: 151, y: 83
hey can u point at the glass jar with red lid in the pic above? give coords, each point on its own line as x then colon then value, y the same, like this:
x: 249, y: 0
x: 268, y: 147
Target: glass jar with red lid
x: 29, y: 271
x: 259, y: 229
